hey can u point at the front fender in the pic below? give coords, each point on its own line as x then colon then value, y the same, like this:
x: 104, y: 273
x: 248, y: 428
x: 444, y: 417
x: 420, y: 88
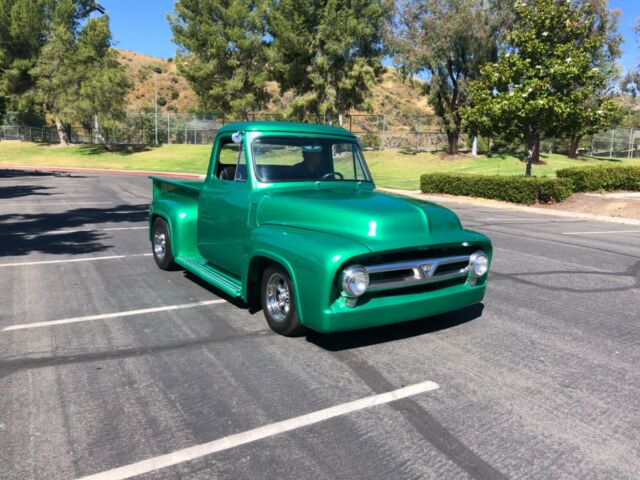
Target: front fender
x: 312, y: 260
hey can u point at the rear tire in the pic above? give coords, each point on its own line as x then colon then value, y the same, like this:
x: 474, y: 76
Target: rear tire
x: 278, y: 302
x: 161, y: 245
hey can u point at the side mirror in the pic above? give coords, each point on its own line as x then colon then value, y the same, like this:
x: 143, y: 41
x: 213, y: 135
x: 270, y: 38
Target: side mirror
x: 236, y: 137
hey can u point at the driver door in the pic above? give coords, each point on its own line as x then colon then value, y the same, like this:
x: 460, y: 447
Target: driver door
x: 223, y: 208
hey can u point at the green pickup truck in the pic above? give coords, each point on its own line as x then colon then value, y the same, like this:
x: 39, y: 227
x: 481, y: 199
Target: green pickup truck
x: 288, y: 219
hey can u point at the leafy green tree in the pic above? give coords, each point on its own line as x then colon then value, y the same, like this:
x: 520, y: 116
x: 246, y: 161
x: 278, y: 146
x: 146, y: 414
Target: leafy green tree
x: 631, y: 81
x: 598, y: 109
x: 327, y: 53
x: 103, y: 81
x: 545, y: 73
x: 56, y: 73
x: 22, y: 34
x: 78, y: 75
x: 449, y: 40
x: 223, y: 52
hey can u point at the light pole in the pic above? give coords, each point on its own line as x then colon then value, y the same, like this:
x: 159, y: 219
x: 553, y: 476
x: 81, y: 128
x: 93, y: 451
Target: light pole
x: 157, y: 71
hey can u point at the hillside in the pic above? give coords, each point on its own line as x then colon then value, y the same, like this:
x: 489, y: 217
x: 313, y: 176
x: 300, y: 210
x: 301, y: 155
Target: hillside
x: 391, y: 96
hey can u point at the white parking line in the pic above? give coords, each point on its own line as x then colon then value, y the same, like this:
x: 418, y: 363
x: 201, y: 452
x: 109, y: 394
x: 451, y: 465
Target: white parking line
x: 91, y: 318
x: 608, y: 232
x: 47, y: 204
x: 53, y: 232
x: 74, y: 230
x: 71, y: 260
x: 197, y: 451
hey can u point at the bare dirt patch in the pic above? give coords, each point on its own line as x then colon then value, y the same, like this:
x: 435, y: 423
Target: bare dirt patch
x: 613, y: 205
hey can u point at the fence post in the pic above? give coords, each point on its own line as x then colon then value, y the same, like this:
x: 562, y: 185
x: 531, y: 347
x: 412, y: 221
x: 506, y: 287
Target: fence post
x: 168, y: 128
x: 613, y: 132
x: 630, y: 142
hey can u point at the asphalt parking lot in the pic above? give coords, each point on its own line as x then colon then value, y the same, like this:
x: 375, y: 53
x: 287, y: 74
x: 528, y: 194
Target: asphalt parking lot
x: 106, y: 361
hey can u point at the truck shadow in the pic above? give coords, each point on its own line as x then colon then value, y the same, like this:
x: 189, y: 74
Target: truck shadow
x: 335, y: 342
x: 23, y: 233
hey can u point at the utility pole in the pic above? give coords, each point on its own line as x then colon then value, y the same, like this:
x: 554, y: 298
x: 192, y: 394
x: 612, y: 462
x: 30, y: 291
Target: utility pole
x: 157, y: 71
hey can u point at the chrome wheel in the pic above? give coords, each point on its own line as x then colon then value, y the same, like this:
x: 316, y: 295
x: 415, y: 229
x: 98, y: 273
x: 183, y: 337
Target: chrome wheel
x: 160, y: 245
x: 278, y: 297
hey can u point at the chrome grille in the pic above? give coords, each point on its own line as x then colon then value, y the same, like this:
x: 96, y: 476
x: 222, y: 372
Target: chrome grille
x: 388, y: 276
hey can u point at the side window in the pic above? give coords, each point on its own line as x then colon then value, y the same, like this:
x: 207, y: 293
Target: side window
x: 228, y: 160
x: 346, y: 161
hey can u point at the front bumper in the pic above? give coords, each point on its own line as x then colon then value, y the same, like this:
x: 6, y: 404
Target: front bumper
x: 386, y: 310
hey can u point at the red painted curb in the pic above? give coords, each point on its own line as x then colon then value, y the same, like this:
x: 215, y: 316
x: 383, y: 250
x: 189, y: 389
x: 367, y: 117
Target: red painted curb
x: 101, y: 170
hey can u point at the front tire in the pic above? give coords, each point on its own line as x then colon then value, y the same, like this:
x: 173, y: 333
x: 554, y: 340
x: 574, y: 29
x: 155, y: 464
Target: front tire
x: 278, y: 302
x: 161, y: 245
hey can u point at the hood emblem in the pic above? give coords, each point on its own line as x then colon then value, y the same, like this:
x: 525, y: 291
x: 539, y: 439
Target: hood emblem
x: 427, y: 268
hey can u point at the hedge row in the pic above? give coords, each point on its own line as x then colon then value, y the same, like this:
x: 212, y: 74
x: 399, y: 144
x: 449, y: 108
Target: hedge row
x: 589, y: 179
x: 527, y: 190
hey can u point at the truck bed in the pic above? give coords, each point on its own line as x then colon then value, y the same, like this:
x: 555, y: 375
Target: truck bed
x: 170, y: 184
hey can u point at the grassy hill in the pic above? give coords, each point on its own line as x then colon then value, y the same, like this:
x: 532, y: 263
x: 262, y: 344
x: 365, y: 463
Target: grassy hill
x: 391, y: 96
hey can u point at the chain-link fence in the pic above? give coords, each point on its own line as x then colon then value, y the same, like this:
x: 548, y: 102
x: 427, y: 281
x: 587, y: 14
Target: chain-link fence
x: 616, y: 143
x: 375, y: 131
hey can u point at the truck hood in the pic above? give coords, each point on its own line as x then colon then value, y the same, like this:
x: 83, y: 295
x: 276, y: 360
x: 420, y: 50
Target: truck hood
x: 378, y: 220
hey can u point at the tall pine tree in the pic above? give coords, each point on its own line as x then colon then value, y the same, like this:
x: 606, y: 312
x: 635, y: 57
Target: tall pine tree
x: 78, y: 75
x: 223, y: 53
x: 103, y: 81
x: 326, y: 52
x: 23, y: 26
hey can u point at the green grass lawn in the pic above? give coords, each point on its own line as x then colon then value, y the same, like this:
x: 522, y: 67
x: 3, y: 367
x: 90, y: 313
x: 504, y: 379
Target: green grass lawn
x: 389, y: 168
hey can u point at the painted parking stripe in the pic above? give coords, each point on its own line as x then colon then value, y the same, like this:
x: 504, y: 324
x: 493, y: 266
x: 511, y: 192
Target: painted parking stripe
x: 72, y: 260
x: 249, y: 436
x: 47, y: 204
x: 91, y: 318
x: 75, y: 230
x: 608, y: 232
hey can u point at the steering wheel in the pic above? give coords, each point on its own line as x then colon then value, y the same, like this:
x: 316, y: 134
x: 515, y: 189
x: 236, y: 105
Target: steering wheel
x: 334, y: 174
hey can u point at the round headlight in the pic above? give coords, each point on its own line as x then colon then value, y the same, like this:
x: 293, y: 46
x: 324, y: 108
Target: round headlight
x: 478, y: 263
x: 355, y: 280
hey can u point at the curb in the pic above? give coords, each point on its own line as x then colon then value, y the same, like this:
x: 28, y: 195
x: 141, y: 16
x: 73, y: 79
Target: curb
x: 100, y: 170
x: 507, y: 206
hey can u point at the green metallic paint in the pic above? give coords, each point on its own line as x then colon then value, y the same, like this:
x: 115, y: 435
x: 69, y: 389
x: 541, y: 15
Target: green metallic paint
x: 314, y: 230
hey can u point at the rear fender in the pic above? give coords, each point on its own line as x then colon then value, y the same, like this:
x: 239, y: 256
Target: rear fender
x: 180, y: 209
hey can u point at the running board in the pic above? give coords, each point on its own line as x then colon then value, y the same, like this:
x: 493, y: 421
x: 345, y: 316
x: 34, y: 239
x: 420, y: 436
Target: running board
x: 203, y: 269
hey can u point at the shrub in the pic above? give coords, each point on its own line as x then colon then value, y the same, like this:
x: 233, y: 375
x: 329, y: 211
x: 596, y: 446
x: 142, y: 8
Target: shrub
x: 589, y: 179
x: 526, y: 190
x: 162, y: 101
x: 371, y: 140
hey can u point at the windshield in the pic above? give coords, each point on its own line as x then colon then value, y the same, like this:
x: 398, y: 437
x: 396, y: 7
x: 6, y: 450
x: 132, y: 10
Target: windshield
x: 299, y: 159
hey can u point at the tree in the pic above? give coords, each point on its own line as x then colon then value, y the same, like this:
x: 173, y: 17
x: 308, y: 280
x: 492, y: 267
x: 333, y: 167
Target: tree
x: 103, y: 81
x: 22, y: 34
x: 448, y: 40
x: 78, y: 76
x: 631, y: 81
x: 328, y: 53
x: 598, y: 109
x: 55, y: 71
x: 223, y: 52
x: 544, y: 74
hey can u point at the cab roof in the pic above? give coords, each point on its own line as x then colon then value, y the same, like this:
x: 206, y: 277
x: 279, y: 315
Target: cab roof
x: 285, y: 127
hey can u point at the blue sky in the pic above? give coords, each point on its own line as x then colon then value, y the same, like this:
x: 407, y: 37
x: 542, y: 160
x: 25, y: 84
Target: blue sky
x: 141, y: 25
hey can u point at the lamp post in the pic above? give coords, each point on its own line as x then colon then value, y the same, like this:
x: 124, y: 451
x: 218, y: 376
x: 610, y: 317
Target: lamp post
x: 157, y: 71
